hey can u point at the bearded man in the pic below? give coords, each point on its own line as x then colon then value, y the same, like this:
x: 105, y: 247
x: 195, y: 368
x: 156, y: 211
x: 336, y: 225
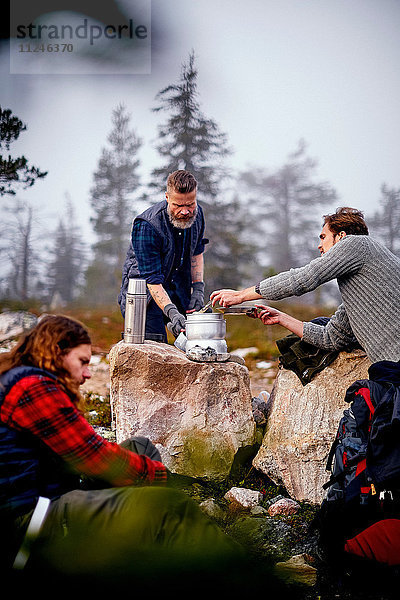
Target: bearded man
x: 167, y: 250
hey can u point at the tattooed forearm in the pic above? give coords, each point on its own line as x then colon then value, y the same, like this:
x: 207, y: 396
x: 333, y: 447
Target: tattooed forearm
x: 197, y: 267
x: 159, y: 295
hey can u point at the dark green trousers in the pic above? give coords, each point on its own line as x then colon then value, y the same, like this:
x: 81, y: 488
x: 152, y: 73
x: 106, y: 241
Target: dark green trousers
x: 129, y: 534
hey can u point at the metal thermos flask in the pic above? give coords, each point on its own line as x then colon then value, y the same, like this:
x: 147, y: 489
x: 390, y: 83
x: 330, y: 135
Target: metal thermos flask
x: 135, y: 312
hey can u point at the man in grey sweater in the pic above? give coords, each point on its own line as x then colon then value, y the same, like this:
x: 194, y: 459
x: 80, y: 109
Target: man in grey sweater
x: 368, y: 275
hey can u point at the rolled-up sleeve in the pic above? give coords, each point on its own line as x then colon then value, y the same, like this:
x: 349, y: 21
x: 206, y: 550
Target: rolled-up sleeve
x: 202, y: 241
x: 147, y: 246
x: 201, y: 246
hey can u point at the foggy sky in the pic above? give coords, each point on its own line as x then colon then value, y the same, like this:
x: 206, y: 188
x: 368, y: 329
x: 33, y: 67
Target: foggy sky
x: 270, y: 73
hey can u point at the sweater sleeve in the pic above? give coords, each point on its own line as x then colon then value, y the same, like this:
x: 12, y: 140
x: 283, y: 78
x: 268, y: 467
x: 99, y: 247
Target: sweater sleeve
x: 343, y: 259
x: 335, y: 335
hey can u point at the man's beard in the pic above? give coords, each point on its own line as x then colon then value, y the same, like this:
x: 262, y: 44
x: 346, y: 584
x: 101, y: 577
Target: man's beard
x: 181, y: 223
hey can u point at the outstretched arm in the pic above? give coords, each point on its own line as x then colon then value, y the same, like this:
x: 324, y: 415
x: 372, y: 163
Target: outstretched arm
x: 228, y: 297
x: 335, y: 335
x: 346, y: 257
x: 272, y: 316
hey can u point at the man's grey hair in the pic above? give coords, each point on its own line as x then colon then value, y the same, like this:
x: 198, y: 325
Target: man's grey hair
x: 181, y: 181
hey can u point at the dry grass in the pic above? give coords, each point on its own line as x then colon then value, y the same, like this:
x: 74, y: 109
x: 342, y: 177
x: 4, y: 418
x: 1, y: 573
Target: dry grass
x: 105, y: 325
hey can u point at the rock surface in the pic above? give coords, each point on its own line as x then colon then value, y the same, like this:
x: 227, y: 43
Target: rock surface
x: 243, y: 498
x: 13, y: 324
x: 99, y: 382
x: 284, y: 506
x: 197, y: 414
x: 302, y: 424
x: 297, y: 570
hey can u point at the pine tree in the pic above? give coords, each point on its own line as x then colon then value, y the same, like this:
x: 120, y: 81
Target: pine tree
x: 14, y: 171
x: 287, y: 203
x: 67, y: 258
x: 115, y: 180
x: 20, y: 248
x: 189, y: 140
x: 385, y: 223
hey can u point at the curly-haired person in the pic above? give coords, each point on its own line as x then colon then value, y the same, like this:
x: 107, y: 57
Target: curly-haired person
x: 100, y: 511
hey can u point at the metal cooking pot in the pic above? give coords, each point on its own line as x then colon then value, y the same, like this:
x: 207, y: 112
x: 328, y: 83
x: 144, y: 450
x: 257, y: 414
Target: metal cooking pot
x: 206, y: 330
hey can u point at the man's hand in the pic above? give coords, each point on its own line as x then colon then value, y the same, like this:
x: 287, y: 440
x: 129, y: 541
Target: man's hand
x: 268, y: 315
x: 226, y: 297
x: 197, y: 297
x: 271, y: 316
x: 178, y: 321
x: 229, y: 297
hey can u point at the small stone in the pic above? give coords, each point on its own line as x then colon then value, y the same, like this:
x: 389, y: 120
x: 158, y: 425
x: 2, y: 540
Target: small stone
x: 259, y: 417
x: 274, y: 499
x: 243, y: 498
x: 95, y: 359
x: 242, y: 352
x: 258, y: 511
x: 259, y: 405
x: 262, y: 364
x: 297, y: 569
x: 212, y: 509
x: 284, y: 506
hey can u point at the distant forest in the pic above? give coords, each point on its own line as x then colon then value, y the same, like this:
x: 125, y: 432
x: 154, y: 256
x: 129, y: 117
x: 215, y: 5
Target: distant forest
x: 259, y: 221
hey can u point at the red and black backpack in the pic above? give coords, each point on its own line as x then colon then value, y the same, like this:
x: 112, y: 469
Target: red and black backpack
x: 360, y: 514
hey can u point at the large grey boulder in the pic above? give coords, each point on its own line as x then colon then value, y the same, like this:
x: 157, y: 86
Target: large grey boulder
x: 197, y: 414
x: 302, y: 424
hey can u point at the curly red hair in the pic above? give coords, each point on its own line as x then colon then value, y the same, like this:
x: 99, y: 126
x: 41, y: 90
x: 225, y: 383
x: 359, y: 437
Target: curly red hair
x: 45, y: 346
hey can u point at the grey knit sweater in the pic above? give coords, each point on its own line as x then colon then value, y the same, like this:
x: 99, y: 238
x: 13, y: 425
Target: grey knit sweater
x: 368, y: 275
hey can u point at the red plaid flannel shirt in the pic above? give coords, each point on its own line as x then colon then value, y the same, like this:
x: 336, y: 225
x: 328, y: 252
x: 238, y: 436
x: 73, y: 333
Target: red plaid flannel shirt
x: 38, y: 404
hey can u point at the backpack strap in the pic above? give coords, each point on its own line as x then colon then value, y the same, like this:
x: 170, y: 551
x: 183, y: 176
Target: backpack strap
x: 331, y: 455
x: 366, y: 394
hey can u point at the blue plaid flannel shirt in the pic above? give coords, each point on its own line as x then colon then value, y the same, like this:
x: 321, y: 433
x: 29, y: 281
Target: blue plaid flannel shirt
x: 147, y: 246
